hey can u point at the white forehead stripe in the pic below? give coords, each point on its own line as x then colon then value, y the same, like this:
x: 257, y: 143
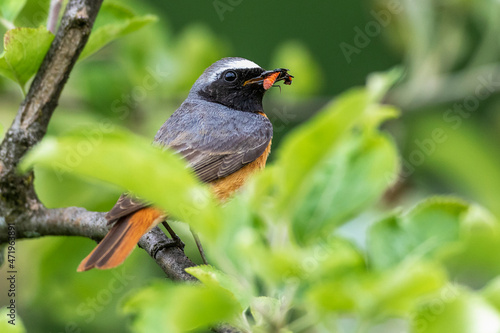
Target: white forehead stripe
x: 241, y: 63
x: 235, y: 64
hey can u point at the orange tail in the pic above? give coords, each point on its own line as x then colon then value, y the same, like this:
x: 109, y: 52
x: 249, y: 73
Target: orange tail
x: 121, y: 239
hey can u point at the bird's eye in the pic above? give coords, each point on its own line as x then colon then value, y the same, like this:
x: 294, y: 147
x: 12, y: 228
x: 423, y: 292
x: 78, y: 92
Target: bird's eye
x: 230, y: 76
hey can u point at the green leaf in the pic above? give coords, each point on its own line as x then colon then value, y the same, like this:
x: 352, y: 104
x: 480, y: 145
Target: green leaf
x: 119, y: 21
x: 459, y: 235
x: 461, y: 147
x: 56, y: 189
x: 149, y: 309
x: 161, y: 176
x: 353, y: 176
x: 5, y: 327
x: 9, y: 9
x: 265, y: 311
x: 33, y: 14
x: 275, y: 265
x: 326, y: 172
x: 212, y: 277
x: 24, y: 50
x: 469, y: 260
x: 378, y: 295
x: 458, y: 311
x: 399, y: 290
x: 328, y: 259
x: 165, y: 307
x: 421, y: 232
x: 306, y: 147
x: 379, y: 83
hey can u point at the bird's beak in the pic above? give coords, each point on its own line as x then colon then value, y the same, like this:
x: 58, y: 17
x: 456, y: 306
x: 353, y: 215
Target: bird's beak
x: 269, y: 78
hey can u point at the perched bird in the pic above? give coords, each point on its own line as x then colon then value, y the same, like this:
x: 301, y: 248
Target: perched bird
x: 222, y: 132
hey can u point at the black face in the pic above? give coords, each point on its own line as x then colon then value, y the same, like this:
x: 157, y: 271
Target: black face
x: 229, y: 90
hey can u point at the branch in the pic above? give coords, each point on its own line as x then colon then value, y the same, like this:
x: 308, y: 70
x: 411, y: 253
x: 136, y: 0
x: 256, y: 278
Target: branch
x: 76, y: 221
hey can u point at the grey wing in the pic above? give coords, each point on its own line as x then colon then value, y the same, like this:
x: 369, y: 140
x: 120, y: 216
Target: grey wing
x: 216, y: 141
x: 210, y: 165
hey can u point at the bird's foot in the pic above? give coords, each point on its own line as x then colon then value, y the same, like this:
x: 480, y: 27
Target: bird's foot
x: 176, y: 240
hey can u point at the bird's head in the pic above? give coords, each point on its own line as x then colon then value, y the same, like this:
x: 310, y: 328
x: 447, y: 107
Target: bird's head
x: 237, y: 83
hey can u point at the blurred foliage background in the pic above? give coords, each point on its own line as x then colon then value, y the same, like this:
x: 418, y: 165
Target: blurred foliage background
x: 448, y: 54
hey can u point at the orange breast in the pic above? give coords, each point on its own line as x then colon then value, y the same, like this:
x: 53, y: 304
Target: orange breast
x: 225, y: 187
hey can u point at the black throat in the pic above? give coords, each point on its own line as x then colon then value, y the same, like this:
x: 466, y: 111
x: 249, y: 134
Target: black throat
x: 243, y: 99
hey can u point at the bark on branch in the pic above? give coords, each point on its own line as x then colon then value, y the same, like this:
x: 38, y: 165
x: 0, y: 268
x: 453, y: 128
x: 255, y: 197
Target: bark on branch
x: 76, y: 221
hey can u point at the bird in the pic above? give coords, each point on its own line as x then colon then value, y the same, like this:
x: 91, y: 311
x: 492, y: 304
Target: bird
x: 222, y: 132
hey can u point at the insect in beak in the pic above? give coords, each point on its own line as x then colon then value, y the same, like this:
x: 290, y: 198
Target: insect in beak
x: 269, y: 78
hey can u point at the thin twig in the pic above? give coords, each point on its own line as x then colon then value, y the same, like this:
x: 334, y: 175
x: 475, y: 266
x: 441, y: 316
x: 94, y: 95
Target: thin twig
x: 200, y: 247
x: 55, y: 8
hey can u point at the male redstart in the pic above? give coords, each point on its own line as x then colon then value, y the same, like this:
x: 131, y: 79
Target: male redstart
x: 222, y: 132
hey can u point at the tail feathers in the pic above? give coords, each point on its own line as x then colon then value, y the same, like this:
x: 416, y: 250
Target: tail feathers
x: 121, y: 240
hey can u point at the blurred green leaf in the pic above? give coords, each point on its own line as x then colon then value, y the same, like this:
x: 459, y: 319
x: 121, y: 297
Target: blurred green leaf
x: 466, y: 158
x: 333, y: 257
x: 375, y: 116
x: 326, y: 172
x: 458, y: 235
x: 56, y: 189
x: 470, y: 260
x: 24, y: 50
x: 9, y: 9
x: 33, y: 14
x: 265, y: 310
x: 149, y: 308
x: 353, y: 176
x: 276, y: 265
x: 399, y: 290
x: 378, y: 295
x: 212, y: 277
x: 5, y: 327
x: 430, y: 225
x: 310, y: 144
x: 190, y: 307
x: 119, y: 21
x: 462, y: 312
x: 379, y: 83
x: 94, y: 296
x: 161, y: 172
